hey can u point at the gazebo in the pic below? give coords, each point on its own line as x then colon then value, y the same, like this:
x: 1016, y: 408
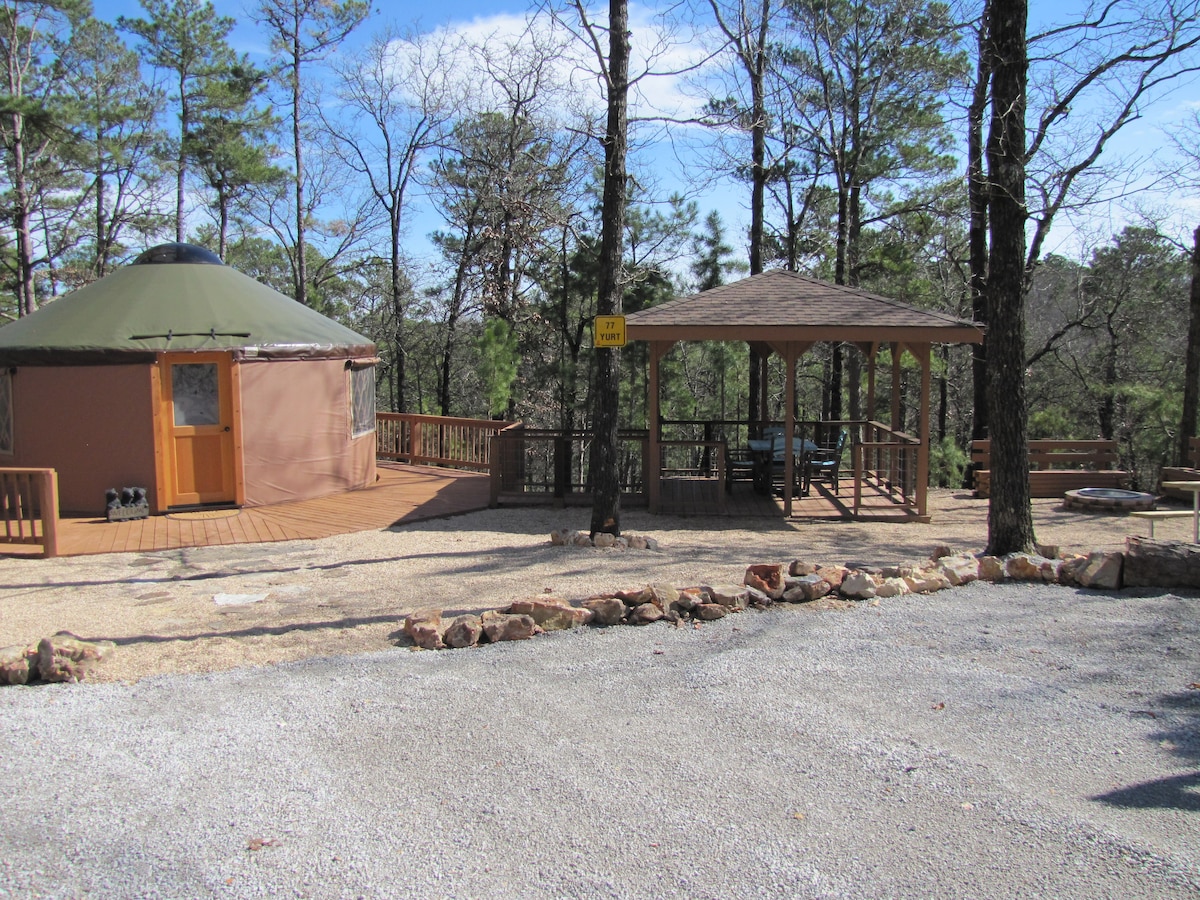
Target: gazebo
x: 787, y: 313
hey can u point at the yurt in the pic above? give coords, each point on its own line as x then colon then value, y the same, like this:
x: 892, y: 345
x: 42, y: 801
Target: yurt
x: 181, y: 375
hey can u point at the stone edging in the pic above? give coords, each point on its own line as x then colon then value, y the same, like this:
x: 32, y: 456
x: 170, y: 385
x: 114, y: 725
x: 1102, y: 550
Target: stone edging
x: 763, y: 585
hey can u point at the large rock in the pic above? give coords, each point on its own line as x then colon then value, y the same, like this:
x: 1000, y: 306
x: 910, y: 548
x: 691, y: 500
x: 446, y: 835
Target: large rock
x: 661, y: 595
x: 833, y: 574
x: 991, y: 568
x: 710, y: 611
x: 18, y: 664
x: 1101, y: 571
x: 65, y: 657
x: 463, y: 631
x: 425, y: 627
x: 858, y: 586
x: 645, y: 614
x: 768, y: 578
x: 891, y: 587
x: 735, y: 596
x: 800, y: 567
x: 756, y: 599
x: 499, y: 626
x: 1151, y: 563
x: 605, y: 610
x: 1030, y: 567
x: 925, y: 581
x: 959, y: 569
x: 690, y: 598
x: 807, y: 588
x: 551, y: 614
x: 563, y: 537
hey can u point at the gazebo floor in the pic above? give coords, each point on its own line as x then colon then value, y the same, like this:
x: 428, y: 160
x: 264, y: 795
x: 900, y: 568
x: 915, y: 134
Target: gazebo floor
x: 401, y: 494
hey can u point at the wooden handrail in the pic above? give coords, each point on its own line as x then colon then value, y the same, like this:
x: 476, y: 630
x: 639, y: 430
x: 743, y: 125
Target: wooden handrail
x: 436, y: 440
x: 29, y: 499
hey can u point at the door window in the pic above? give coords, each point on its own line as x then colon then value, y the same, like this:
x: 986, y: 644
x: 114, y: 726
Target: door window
x: 195, y: 393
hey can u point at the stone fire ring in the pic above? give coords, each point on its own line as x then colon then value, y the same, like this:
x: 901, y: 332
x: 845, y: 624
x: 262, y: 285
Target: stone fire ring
x: 1107, y: 500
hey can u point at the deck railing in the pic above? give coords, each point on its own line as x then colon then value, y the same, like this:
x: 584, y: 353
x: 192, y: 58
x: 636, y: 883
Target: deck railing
x: 436, y: 440
x: 29, y: 508
x: 541, y: 465
x: 887, y: 459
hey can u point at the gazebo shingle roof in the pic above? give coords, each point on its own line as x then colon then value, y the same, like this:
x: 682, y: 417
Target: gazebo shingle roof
x: 763, y: 307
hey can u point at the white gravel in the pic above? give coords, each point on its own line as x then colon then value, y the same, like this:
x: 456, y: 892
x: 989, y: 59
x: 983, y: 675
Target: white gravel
x: 991, y: 741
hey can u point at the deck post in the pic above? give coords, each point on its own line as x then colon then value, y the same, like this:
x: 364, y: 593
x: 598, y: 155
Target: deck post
x: 653, y: 470
x: 897, y: 425
x: 922, y: 352
x: 789, y: 427
x: 48, y: 506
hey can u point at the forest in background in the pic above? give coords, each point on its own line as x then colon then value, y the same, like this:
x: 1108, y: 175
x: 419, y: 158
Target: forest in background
x: 850, y: 126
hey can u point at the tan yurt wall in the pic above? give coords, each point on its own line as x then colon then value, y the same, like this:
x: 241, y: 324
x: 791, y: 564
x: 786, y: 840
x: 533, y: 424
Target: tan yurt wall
x: 296, y: 431
x: 93, y: 424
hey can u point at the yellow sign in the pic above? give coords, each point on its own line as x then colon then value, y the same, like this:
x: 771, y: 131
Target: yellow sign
x: 609, y: 331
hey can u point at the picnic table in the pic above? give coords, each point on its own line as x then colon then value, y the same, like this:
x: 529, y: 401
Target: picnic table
x: 767, y: 452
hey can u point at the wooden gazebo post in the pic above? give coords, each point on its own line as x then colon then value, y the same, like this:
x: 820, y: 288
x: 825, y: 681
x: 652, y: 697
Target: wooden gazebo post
x: 653, y: 466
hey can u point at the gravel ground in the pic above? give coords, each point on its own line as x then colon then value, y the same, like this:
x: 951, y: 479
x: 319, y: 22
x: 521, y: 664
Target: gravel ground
x: 990, y: 741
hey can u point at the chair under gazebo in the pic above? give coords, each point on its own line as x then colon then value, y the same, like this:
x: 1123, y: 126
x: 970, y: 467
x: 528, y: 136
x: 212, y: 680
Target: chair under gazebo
x: 786, y: 313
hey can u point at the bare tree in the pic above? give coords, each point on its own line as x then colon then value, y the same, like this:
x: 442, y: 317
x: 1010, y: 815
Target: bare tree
x: 1088, y: 79
x: 612, y: 58
x: 304, y: 32
x: 33, y: 34
x: 398, y: 100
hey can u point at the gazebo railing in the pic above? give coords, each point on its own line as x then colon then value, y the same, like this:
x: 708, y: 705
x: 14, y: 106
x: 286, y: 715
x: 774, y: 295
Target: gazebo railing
x: 886, y: 459
x: 436, y: 440
x: 550, y: 466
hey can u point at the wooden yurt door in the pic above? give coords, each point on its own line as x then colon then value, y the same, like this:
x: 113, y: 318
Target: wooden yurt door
x: 198, y: 429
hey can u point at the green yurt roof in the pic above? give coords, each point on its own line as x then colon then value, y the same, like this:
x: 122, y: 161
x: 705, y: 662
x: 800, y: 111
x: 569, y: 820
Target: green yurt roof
x: 175, y: 297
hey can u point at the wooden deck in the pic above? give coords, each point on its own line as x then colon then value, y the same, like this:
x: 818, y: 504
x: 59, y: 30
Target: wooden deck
x: 404, y: 494
x: 401, y: 494
x: 695, y: 498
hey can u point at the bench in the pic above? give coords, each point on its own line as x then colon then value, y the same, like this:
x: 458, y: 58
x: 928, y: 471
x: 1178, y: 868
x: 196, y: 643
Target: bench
x: 1190, y: 472
x: 1153, y: 515
x: 1057, y: 466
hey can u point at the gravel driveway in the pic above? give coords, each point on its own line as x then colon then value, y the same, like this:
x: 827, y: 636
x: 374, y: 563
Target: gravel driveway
x: 990, y: 741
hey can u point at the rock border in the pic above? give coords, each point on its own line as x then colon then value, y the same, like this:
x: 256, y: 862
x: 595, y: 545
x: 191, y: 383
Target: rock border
x: 763, y: 585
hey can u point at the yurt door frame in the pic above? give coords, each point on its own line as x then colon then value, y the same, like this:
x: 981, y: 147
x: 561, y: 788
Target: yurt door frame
x: 199, y: 445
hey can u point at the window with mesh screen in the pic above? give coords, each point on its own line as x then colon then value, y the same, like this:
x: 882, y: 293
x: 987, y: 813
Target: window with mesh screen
x: 362, y: 400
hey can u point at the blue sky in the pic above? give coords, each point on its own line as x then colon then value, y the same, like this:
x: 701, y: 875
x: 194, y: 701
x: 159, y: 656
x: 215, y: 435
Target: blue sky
x: 728, y: 198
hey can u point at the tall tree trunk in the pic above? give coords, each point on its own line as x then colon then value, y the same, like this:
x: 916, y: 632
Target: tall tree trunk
x: 26, y: 303
x: 222, y: 223
x: 1010, y: 517
x: 298, y: 155
x: 185, y: 114
x: 853, y: 357
x: 977, y: 195
x: 1191, y: 369
x: 605, y: 477
x: 398, y: 314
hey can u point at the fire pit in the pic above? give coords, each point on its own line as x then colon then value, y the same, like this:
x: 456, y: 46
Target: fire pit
x: 1107, y: 500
